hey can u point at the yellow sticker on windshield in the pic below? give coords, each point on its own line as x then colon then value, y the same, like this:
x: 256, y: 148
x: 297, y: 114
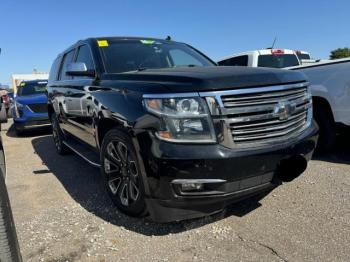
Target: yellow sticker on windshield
x: 102, y: 43
x: 22, y: 84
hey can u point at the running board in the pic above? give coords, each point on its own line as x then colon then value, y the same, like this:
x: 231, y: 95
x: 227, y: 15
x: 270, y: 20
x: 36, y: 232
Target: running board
x: 85, y: 153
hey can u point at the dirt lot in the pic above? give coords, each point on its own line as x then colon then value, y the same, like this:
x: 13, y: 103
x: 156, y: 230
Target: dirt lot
x: 63, y: 214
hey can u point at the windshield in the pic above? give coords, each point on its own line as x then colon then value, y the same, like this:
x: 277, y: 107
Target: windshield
x: 278, y: 61
x: 130, y: 55
x: 27, y: 89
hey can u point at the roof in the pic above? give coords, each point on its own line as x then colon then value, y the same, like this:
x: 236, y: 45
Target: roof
x: 111, y: 38
x: 34, y: 81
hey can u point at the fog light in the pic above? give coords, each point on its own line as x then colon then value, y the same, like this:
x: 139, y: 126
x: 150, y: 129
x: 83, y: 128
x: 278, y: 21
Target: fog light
x: 188, y: 187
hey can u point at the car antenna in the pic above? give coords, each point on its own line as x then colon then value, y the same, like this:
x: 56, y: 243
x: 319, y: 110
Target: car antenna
x: 168, y: 38
x: 273, y: 44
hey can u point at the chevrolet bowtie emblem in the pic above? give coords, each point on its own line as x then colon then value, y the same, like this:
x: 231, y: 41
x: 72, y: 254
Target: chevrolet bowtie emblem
x: 284, y: 109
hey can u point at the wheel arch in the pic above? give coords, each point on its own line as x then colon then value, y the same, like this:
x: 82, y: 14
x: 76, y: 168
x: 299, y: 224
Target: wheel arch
x: 50, y: 110
x: 104, y: 125
x: 321, y: 102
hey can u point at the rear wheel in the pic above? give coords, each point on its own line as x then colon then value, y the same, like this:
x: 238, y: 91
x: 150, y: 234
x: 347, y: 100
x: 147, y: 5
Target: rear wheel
x: 58, y: 136
x: 120, y: 169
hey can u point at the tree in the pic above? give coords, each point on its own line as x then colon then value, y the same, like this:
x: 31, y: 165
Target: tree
x: 340, y: 53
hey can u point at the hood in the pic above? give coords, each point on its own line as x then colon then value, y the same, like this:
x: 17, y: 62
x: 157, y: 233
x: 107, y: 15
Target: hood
x: 31, y: 99
x: 189, y: 79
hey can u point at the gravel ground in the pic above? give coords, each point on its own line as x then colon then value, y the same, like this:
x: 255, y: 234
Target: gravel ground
x: 63, y: 214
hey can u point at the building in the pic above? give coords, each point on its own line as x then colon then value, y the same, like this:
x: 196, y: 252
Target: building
x: 16, y: 79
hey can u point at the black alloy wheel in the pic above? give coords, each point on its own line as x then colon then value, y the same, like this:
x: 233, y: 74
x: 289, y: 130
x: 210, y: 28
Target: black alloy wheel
x: 121, y: 172
x: 58, y: 136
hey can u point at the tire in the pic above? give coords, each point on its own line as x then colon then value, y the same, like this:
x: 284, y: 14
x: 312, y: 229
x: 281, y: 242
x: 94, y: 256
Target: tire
x: 19, y: 131
x: 58, y: 136
x: 327, y: 133
x: 9, y: 248
x: 121, y: 172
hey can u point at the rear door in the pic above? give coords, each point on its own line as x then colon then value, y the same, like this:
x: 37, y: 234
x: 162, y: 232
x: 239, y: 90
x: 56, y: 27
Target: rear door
x: 62, y: 89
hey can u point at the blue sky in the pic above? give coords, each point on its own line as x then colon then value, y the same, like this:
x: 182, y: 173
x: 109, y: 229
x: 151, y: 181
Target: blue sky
x: 32, y: 33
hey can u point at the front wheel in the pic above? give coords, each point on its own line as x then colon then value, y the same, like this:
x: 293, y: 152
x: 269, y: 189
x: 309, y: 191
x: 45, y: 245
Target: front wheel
x: 121, y: 172
x: 19, y: 130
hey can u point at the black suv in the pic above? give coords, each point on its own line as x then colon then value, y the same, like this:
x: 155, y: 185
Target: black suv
x: 176, y: 136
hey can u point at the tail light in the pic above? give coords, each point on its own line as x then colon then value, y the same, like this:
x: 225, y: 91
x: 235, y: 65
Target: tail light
x: 277, y: 51
x: 5, y: 99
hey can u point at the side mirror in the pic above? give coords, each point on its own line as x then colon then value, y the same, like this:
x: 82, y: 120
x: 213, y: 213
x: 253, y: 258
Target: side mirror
x: 79, y: 69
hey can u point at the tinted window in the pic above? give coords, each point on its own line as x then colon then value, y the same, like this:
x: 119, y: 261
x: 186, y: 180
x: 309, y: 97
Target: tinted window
x: 235, y: 61
x: 304, y: 56
x: 27, y: 89
x: 68, y: 58
x: 181, y: 58
x: 277, y: 61
x: 84, y: 56
x: 54, y: 69
x: 128, y: 55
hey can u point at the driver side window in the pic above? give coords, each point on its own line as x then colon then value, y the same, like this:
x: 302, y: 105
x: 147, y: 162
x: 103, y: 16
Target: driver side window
x: 181, y: 58
x: 84, y: 56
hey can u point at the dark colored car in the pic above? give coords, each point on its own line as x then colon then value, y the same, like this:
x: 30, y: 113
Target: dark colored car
x: 9, y: 248
x: 176, y: 136
x: 30, y: 106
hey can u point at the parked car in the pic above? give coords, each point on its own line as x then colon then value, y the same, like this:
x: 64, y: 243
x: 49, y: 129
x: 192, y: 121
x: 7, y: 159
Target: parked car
x: 176, y: 136
x: 331, y: 95
x: 9, y: 248
x: 30, y: 106
x: 274, y: 58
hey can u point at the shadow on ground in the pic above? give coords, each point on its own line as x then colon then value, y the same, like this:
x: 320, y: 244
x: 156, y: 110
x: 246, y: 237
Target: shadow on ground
x: 340, y: 153
x: 84, y: 184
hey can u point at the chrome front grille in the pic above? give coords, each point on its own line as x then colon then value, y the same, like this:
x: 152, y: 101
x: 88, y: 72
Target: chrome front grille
x: 262, y: 115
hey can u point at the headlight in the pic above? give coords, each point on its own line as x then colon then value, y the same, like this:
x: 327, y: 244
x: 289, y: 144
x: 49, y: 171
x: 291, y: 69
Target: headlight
x: 183, y: 119
x: 310, y: 109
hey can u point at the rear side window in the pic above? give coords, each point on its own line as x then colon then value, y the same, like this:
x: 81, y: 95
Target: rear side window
x: 304, y: 56
x: 278, y: 61
x: 84, y: 56
x: 54, y: 69
x: 235, y: 61
x: 67, y: 59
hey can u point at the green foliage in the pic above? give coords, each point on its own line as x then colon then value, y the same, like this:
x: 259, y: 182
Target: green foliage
x: 340, y: 53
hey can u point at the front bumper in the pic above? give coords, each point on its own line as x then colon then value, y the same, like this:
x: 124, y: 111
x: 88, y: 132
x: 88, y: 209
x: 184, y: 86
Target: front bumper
x: 245, y: 173
x: 24, y: 123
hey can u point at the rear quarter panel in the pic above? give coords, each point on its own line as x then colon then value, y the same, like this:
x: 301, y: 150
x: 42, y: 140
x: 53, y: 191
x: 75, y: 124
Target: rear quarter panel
x: 332, y: 82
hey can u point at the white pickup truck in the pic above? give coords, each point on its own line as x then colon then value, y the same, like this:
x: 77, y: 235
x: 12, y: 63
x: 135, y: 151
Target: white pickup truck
x: 329, y: 79
x: 330, y: 87
x: 276, y: 58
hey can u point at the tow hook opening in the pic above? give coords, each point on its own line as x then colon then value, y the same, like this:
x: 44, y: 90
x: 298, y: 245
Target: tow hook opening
x: 291, y: 168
